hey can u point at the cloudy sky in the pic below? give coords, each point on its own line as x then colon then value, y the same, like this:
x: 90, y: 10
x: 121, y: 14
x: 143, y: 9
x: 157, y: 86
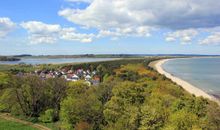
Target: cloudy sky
x: 109, y: 26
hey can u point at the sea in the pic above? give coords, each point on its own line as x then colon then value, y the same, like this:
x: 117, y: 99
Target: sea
x: 203, y: 73
x: 35, y: 61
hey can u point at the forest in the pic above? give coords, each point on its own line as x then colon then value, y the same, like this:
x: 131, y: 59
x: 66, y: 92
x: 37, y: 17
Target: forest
x: 132, y: 96
x: 6, y: 58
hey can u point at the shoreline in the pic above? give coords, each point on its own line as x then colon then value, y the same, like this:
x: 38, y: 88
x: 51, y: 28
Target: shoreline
x: 157, y: 65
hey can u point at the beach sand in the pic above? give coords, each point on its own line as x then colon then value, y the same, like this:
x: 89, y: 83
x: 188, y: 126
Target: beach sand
x: 157, y: 65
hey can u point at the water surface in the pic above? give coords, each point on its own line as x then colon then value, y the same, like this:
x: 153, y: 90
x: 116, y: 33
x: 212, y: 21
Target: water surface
x: 35, y: 61
x: 203, y: 73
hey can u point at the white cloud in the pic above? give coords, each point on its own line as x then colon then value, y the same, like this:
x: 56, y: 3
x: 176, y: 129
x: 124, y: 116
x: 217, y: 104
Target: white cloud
x: 213, y: 39
x: 6, y: 26
x: 39, y: 38
x: 170, y: 39
x: 118, y: 18
x: 40, y: 32
x: 40, y: 27
x: 184, y: 36
x: 174, y: 14
x: 126, y: 32
x: 70, y: 34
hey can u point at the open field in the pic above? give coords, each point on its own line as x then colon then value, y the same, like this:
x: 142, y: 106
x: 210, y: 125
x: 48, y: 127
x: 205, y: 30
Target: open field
x: 8, y: 122
x: 11, y: 125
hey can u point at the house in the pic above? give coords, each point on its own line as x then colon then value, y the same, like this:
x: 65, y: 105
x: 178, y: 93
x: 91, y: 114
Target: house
x: 64, y: 76
x: 94, y: 72
x: 87, y: 72
x: 88, y: 78
x: 69, y: 76
x: 96, y: 80
x: 63, y: 73
x: 64, y: 70
x: 70, y: 72
x: 75, y: 77
x: 49, y: 76
x: 42, y: 75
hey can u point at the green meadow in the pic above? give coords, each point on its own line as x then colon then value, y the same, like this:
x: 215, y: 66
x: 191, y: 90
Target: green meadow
x: 10, y: 125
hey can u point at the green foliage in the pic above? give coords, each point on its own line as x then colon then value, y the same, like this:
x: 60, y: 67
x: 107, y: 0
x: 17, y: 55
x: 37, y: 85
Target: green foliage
x: 182, y: 120
x: 213, y: 114
x: 131, y: 97
x: 154, y: 112
x: 80, y: 105
x: 128, y: 75
x: 123, y: 110
x: 4, y: 80
x: 31, y: 95
x: 47, y: 116
x: 7, y: 101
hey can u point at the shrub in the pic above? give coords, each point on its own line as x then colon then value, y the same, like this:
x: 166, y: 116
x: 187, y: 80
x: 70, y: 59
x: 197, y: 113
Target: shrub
x: 47, y: 116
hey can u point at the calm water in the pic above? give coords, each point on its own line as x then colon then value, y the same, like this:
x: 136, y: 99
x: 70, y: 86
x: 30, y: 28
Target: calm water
x: 55, y: 61
x: 204, y: 73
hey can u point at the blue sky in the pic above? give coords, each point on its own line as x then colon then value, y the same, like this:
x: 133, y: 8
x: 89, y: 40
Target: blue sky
x: 108, y: 27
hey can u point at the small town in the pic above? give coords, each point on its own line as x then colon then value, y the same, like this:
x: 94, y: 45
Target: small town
x: 90, y: 77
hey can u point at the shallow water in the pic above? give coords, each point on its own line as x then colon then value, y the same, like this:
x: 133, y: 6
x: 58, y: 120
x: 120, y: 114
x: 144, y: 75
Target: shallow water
x: 203, y: 73
x: 35, y: 61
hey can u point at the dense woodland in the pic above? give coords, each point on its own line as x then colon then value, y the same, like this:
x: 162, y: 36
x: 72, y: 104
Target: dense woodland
x: 131, y: 96
x: 6, y: 58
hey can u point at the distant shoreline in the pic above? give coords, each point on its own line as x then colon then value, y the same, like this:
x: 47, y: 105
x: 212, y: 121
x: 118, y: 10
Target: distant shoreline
x: 157, y: 65
x: 56, y: 61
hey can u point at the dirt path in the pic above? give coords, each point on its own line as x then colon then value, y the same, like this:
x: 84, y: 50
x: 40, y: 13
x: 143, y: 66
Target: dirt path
x: 8, y: 117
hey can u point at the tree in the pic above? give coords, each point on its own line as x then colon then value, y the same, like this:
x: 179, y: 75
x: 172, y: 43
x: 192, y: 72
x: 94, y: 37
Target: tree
x: 81, y: 105
x: 34, y: 95
x: 128, y: 75
x: 182, y: 120
x: 4, y: 80
x: 55, y: 91
x: 123, y: 110
x: 30, y: 94
x: 153, y: 116
x: 7, y: 100
x: 213, y: 115
x: 101, y: 71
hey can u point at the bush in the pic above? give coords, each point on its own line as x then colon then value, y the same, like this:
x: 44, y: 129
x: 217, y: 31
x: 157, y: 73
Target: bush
x: 47, y: 116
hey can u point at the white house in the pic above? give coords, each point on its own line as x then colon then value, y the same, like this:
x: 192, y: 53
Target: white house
x: 75, y: 78
x: 88, y: 78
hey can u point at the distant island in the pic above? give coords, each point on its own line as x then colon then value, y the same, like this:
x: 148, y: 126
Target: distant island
x: 6, y: 58
x: 23, y: 55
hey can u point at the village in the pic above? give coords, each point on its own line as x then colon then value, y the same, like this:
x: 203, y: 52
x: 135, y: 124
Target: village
x: 89, y: 77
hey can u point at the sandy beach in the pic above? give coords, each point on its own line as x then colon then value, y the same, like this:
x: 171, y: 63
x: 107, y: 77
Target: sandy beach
x: 157, y: 65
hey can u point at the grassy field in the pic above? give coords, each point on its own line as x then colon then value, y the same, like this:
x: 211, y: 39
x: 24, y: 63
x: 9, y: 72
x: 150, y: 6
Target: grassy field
x: 10, y: 125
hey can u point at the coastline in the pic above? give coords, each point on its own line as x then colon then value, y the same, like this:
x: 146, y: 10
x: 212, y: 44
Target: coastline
x: 157, y: 65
